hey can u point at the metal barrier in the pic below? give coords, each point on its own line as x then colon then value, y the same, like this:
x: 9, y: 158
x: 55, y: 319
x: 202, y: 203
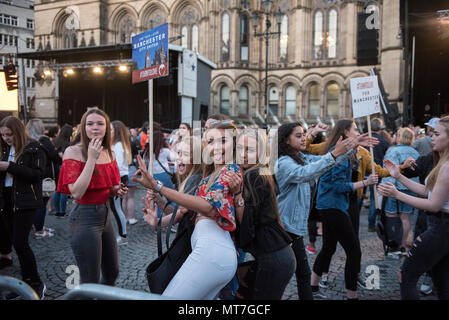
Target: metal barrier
x: 102, y: 292
x: 17, y: 286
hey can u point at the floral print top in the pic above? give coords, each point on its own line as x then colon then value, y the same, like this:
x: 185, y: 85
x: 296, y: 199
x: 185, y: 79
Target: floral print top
x: 220, y: 198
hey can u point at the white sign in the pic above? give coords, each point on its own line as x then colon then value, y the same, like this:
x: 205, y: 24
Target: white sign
x: 365, y: 96
x: 189, y: 73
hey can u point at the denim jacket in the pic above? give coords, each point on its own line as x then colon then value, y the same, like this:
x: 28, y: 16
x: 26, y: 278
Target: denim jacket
x: 398, y: 154
x: 294, y: 188
x: 335, y: 186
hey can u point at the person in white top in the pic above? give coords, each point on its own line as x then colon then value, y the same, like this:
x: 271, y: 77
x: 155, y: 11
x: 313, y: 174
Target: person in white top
x: 122, y: 149
x: 430, y: 250
x: 161, y: 168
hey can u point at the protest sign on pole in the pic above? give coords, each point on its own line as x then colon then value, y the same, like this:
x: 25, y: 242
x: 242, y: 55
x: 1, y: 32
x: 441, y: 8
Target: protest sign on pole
x: 365, y: 102
x: 150, y: 52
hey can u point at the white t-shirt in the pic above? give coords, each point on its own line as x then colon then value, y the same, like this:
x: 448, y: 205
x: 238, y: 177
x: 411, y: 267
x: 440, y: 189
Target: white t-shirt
x: 122, y: 161
x: 9, y: 179
x: 164, y: 157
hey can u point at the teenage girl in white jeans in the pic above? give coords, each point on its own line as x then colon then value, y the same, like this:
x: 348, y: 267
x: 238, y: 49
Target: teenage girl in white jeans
x: 213, y: 261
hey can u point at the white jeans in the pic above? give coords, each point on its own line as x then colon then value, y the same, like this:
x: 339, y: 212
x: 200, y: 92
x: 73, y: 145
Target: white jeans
x: 210, y: 266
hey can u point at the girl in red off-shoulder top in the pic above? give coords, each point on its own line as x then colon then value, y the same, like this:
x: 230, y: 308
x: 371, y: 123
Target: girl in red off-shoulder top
x: 90, y: 174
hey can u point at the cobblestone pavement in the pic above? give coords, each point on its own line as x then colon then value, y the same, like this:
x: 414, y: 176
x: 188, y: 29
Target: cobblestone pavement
x: 54, y: 255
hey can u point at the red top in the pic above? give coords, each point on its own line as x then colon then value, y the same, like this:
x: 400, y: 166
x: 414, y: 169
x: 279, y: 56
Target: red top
x: 105, y: 176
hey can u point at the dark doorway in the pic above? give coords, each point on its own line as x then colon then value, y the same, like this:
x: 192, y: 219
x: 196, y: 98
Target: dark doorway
x: 432, y: 58
x: 113, y: 91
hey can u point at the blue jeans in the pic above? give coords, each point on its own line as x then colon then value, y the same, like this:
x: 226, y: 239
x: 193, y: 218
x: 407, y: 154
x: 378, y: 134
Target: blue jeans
x: 165, y: 179
x: 60, y: 202
x: 93, y: 243
x: 41, y: 212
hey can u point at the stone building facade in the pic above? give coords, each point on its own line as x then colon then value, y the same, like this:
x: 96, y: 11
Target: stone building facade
x: 17, y: 35
x: 309, y: 64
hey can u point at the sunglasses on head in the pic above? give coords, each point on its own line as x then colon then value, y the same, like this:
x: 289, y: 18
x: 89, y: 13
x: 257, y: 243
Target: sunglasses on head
x: 222, y: 122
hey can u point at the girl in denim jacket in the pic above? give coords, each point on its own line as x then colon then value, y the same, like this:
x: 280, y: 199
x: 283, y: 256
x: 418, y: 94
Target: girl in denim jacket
x: 296, y: 174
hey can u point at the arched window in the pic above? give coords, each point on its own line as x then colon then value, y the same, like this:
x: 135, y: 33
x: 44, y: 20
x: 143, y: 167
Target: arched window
x: 318, y: 35
x: 332, y: 93
x: 290, y: 101
x: 244, y: 37
x: 225, y: 105
x: 185, y: 37
x: 283, y: 40
x: 195, y: 45
x: 314, y: 100
x: 74, y: 41
x: 273, y: 98
x: 333, y: 34
x: 126, y: 28
x: 225, y: 32
x: 243, y: 100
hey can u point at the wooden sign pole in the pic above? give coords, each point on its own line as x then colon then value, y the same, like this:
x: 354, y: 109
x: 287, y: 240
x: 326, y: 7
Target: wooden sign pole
x: 372, y: 162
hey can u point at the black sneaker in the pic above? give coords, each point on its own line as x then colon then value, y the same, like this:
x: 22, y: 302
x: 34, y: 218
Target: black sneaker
x: 60, y: 214
x: 5, y: 262
x: 361, y: 281
x: 324, y: 283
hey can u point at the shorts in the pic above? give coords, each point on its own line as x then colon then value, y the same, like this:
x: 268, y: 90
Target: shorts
x: 131, y: 171
x: 394, y: 206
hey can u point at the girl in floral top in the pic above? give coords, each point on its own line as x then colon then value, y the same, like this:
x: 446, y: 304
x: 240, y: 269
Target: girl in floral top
x: 90, y: 174
x: 213, y: 261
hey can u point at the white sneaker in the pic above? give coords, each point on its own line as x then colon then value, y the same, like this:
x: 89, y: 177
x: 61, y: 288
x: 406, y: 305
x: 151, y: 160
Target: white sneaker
x: 425, y: 289
x: 122, y: 241
x: 324, y: 282
x: 132, y: 221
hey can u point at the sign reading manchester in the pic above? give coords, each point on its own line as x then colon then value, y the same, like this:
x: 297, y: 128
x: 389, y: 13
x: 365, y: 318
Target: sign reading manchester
x: 365, y: 96
x: 150, y: 52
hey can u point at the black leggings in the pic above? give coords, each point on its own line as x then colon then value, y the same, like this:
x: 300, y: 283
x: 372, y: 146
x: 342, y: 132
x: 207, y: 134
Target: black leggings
x: 15, y: 228
x: 337, y: 228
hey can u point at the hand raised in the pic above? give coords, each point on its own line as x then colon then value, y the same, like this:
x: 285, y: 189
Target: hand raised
x: 392, y: 168
x: 387, y: 190
x: 94, y: 149
x: 367, y: 141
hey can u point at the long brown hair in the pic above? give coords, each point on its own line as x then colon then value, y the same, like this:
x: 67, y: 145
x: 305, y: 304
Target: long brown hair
x: 443, y: 158
x: 21, y: 138
x: 337, y: 132
x: 84, y: 139
x: 121, y: 134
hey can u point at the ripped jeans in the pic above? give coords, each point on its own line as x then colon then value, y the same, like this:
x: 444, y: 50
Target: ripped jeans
x: 430, y: 251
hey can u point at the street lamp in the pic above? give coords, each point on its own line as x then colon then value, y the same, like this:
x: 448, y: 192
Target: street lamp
x: 266, y: 8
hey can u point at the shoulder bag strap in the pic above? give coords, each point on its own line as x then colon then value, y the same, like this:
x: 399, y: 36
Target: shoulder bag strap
x: 159, y: 237
x: 167, y: 237
x: 170, y: 174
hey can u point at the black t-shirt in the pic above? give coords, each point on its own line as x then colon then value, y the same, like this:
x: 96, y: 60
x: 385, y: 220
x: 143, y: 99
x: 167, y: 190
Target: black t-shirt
x: 259, y: 231
x: 380, y: 149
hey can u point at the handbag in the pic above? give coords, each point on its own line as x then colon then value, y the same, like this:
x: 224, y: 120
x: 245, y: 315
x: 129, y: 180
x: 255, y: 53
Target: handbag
x: 49, y: 184
x: 160, y: 271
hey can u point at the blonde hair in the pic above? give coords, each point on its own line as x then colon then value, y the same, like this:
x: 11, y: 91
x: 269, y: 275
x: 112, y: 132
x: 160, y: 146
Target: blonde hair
x: 121, y: 134
x: 444, y: 157
x: 197, y: 168
x: 406, y: 136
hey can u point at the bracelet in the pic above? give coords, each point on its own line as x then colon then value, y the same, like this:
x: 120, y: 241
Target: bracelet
x: 236, y: 194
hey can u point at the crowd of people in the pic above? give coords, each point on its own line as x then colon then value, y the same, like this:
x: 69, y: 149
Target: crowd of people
x: 237, y: 200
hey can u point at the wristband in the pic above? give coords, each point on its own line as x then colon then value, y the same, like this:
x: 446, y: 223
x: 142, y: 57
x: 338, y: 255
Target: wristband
x: 236, y: 194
